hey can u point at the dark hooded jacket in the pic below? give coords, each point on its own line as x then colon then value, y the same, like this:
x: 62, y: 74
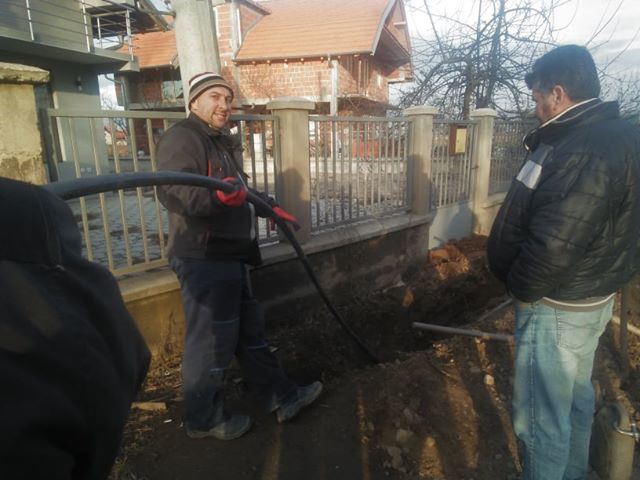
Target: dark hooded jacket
x: 200, y: 226
x: 570, y: 224
x: 71, y: 357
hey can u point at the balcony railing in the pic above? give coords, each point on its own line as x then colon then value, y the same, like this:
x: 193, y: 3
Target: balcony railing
x: 80, y: 25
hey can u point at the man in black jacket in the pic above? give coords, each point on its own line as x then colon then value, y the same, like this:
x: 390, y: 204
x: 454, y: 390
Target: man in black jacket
x: 564, y: 241
x: 212, y: 238
x: 71, y: 356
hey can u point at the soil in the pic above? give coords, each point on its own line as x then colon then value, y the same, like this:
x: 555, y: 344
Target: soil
x: 435, y: 406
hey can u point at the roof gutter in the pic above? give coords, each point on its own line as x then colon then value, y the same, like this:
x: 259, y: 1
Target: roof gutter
x: 302, y: 56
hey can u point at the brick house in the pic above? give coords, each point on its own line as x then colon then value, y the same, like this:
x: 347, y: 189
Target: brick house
x: 341, y: 54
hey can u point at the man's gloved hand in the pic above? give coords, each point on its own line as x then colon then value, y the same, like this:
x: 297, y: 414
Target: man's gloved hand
x: 284, y: 215
x: 233, y: 199
x: 277, y: 209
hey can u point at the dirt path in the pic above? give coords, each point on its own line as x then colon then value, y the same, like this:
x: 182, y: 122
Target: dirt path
x: 438, y: 408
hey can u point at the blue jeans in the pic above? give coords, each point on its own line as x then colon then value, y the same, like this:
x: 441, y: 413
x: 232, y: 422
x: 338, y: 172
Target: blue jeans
x: 553, y: 398
x: 223, y: 320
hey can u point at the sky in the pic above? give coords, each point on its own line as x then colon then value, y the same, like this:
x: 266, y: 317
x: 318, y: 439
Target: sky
x: 581, y: 19
x: 622, y: 32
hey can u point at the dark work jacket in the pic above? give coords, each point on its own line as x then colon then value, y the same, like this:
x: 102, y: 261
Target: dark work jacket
x: 71, y: 357
x: 570, y: 224
x: 200, y: 226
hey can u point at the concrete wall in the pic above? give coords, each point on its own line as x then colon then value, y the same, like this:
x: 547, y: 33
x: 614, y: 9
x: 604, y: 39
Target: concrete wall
x: 21, y: 155
x: 358, y: 258
x: 451, y: 222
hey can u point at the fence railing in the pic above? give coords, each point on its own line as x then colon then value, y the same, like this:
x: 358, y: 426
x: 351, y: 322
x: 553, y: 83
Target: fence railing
x: 451, y: 173
x: 127, y: 230
x: 75, y: 24
x: 507, y: 153
x: 358, y: 168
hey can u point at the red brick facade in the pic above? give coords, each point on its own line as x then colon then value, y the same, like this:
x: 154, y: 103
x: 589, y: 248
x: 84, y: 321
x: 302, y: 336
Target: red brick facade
x: 362, y: 85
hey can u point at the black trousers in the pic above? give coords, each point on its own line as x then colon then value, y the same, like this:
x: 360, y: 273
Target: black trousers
x: 223, y: 319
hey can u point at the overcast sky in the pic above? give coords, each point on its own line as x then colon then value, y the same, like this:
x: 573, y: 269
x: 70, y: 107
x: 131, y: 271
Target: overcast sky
x: 621, y: 33
x: 581, y: 20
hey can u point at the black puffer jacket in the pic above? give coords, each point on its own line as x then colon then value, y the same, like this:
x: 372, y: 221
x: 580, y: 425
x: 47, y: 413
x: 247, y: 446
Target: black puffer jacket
x: 199, y: 225
x: 569, y: 227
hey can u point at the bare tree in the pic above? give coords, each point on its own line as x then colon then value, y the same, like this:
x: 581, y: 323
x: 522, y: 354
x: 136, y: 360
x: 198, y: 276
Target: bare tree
x: 626, y: 90
x: 478, y: 57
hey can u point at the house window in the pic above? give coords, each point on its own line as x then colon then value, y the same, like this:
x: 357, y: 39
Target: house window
x: 171, y: 89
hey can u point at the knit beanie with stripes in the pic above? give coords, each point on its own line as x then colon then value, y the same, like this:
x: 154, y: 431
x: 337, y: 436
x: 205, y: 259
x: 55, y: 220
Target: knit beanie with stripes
x: 203, y: 81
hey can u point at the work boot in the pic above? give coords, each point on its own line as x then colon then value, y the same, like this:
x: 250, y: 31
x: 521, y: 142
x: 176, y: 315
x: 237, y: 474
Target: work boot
x: 305, y: 396
x: 233, y: 427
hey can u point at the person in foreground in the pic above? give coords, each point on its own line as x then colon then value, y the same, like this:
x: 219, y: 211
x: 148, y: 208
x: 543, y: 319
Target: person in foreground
x: 564, y: 241
x: 212, y: 239
x: 71, y: 356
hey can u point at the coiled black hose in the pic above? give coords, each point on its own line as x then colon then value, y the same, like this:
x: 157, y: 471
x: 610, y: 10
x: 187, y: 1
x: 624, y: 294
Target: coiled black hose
x: 79, y: 187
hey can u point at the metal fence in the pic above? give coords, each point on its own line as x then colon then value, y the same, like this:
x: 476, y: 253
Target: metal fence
x: 358, y: 168
x: 507, y: 153
x: 450, y: 171
x: 127, y: 230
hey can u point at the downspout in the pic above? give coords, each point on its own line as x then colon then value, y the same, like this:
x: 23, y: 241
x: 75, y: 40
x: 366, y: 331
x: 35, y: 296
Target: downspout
x: 236, y: 40
x: 333, y: 103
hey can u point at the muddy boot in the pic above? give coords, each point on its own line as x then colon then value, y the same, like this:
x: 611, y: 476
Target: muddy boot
x: 233, y: 427
x: 304, y: 397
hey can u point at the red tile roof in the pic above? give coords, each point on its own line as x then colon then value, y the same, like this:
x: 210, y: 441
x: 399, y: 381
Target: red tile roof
x: 293, y: 29
x: 312, y: 28
x: 156, y: 49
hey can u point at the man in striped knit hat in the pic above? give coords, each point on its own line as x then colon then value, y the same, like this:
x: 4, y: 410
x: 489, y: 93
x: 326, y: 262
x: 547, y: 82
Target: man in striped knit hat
x: 212, y: 239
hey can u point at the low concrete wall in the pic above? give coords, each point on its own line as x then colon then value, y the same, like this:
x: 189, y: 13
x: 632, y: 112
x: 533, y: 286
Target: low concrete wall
x: 487, y: 213
x: 365, y: 256
x: 451, y: 222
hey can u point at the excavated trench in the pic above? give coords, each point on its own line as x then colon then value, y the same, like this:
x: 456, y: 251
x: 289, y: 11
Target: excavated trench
x: 451, y: 287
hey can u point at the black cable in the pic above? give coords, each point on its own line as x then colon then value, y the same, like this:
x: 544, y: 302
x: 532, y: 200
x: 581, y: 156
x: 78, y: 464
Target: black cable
x: 79, y: 187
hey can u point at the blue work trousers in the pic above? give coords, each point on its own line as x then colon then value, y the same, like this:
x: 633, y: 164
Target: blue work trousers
x: 553, y: 398
x: 223, y: 319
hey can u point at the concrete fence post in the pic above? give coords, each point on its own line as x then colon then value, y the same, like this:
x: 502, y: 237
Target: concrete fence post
x: 419, y: 155
x: 21, y: 153
x: 482, y: 215
x: 293, y: 185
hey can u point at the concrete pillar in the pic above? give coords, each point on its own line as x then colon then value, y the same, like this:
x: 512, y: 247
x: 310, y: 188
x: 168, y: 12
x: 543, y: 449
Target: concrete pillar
x: 21, y: 154
x: 483, y: 215
x: 196, y: 40
x: 293, y: 186
x: 419, y: 154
